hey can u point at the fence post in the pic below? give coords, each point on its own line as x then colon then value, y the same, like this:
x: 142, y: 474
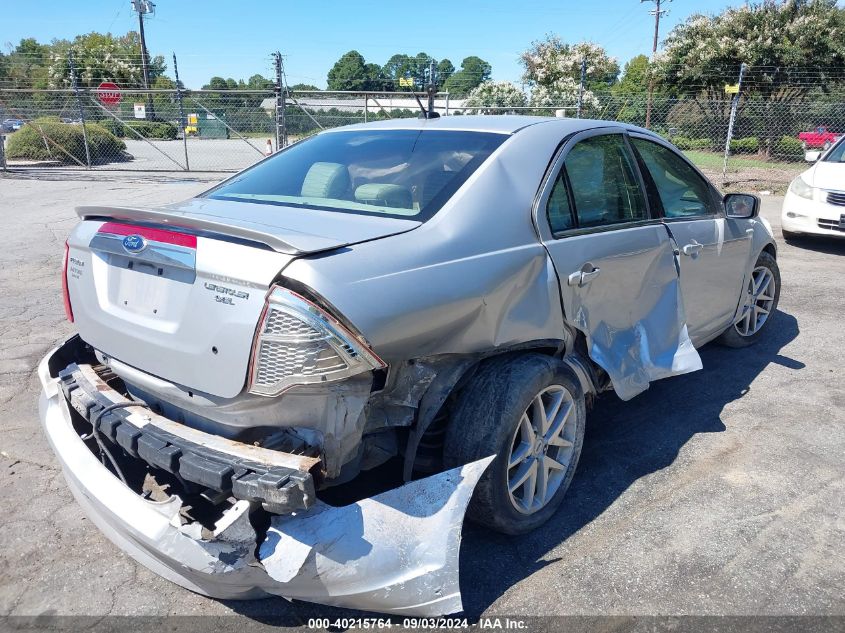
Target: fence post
x: 581, y: 86
x: 447, y: 104
x: 79, y: 105
x: 366, y: 102
x: 182, y: 121
x: 730, y: 134
x: 2, y: 151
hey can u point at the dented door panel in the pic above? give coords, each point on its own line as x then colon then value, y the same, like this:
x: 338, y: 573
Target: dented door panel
x: 632, y: 311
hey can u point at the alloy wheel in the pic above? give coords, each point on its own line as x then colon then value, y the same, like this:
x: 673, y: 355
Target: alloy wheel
x: 758, y: 301
x: 542, y: 449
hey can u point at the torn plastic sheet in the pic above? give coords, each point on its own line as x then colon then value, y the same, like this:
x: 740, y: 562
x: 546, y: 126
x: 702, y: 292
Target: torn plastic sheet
x: 396, y: 552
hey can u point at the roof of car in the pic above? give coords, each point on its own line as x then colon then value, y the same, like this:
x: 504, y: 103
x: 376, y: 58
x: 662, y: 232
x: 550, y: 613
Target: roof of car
x: 502, y: 124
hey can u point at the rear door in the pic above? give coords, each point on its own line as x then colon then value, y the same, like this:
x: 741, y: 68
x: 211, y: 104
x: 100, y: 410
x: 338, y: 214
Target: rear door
x: 714, y: 249
x: 616, y: 262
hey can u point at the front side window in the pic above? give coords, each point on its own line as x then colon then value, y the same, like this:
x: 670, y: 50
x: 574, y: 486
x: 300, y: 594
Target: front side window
x: 397, y: 173
x: 683, y: 193
x: 605, y: 188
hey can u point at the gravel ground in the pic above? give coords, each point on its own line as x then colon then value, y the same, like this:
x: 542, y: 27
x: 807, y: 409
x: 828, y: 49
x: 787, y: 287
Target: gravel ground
x: 719, y: 492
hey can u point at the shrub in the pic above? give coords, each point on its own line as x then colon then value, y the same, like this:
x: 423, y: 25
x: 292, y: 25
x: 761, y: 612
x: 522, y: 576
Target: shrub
x: 147, y: 129
x: 686, y: 143
x: 788, y: 148
x: 29, y: 142
x: 153, y: 129
x: 748, y: 145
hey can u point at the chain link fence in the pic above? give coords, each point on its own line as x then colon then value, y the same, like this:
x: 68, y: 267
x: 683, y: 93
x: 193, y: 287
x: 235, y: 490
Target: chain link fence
x: 225, y: 131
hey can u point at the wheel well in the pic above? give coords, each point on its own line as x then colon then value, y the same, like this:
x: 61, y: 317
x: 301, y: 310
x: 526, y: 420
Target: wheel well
x: 426, y: 453
x: 771, y: 250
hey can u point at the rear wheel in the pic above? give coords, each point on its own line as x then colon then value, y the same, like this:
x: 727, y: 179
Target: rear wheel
x: 759, y: 302
x: 529, y: 411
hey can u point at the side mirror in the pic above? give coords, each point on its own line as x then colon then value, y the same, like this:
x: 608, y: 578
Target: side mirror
x: 812, y: 156
x: 741, y: 205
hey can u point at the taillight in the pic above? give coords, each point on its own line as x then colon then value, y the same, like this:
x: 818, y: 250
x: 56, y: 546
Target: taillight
x: 299, y: 343
x: 65, y: 293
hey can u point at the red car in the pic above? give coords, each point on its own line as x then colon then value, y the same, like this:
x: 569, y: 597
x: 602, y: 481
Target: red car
x: 820, y: 137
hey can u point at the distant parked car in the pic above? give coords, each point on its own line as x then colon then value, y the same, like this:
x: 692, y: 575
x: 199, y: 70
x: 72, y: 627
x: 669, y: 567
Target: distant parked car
x: 815, y: 201
x: 820, y: 137
x: 12, y: 125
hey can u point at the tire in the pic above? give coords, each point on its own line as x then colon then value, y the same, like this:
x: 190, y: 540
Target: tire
x: 489, y: 418
x: 734, y: 336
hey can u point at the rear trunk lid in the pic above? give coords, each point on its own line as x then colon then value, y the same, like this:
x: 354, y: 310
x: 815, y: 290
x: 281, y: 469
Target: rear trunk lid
x: 177, y: 292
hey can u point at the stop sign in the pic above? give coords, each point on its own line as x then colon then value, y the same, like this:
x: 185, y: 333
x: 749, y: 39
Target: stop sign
x: 108, y: 93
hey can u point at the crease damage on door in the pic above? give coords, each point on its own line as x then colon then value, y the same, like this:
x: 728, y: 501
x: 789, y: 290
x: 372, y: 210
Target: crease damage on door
x: 644, y: 339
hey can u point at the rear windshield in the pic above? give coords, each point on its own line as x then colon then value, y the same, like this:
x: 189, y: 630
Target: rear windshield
x: 397, y: 173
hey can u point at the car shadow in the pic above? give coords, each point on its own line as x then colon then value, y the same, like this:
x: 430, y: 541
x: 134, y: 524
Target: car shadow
x: 624, y: 442
x: 819, y: 244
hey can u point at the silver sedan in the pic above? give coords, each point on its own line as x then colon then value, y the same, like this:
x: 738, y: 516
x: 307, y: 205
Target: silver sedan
x: 444, y: 294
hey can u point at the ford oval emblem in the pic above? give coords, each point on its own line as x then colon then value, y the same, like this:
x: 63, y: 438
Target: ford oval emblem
x: 134, y: 243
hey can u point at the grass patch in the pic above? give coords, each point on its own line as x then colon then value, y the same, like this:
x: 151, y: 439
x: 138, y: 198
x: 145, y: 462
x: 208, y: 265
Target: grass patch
x: 712, y: 160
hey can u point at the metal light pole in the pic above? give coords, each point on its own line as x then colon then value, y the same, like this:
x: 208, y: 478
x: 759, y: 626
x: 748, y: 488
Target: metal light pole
x: 142, y: 8
x: 656, y: 12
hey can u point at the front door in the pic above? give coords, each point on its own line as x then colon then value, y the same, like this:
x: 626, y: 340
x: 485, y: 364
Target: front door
x: 714, y: 249
x: 615, y: 262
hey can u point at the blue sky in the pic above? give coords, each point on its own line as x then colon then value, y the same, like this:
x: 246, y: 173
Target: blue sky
x: 235, y: 39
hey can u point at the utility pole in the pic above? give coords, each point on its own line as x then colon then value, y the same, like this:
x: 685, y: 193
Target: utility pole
x: 581, y: 87
x: 79, y: 105
x: 142, y: 8
x: 656, y: 12
x: 183, y: 123
x: 281, y: 94
x: 432, y: 89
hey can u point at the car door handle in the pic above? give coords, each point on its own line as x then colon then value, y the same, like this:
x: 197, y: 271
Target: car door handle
x: 692, y: 249
x: 584, y: 276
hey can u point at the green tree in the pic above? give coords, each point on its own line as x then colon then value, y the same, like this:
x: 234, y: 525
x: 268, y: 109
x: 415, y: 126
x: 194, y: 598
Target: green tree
x: 259, y: 82
x: 635, y: 77
x: 778, y: 41
x: 27, y: 65
x: 473, y: 72
x: 348, y: 73
x: 445, y: 69
x: 304, y: 87
x: 216, y: 83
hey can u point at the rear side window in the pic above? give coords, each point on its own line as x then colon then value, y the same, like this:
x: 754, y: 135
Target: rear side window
x: 683, y: 193
x: 398, y: 173
x: 558, y: 209
x: 604, y: 184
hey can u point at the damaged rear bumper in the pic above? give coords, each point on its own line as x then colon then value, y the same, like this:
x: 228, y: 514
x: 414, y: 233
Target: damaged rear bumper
x: 396, y: 552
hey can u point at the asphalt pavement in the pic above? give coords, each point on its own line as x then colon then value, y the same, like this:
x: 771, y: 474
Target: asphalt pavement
x: 715, y: 493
